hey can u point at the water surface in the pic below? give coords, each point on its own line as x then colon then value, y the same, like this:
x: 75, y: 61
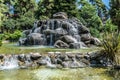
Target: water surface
x: 59, y: 74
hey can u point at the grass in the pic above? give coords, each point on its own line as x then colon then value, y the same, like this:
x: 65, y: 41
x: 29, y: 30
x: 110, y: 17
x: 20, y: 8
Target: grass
x: 11, y: 48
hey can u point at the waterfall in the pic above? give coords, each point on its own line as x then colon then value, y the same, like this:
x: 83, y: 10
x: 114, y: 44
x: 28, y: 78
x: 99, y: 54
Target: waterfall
x: 51, y: 35
x: 35, y: 24
x: 10, y: 62
x: 28, y: 61
x: 49, y: 63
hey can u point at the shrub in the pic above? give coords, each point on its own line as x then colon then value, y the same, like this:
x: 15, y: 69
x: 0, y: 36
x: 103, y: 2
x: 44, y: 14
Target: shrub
x: 94, y: 32
x: 13, y: 36
x: 111, y: 44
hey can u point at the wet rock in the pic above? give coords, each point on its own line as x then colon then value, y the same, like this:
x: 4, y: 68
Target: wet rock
x: 59, y: 61
x: 74, y: 64
x: 71, y: 55
x: 60, y: 15
x: 61, y: 44
x: 48, y: 31
x: 87, y: 57
x: 85, y: 37
x: 82, y: 29
x: 65, y: 64
x: 79, y: 56
x: 60, y: 31
x: 95, y: 55
x: 21, y: 57
x: 41, y: 62
x: 64, y: 57
x: 95, y: 41
x: 85, y: 61
x: 36, y: 39
x: 77, y: 45
x: 68, y: 39
x: 1, y: 56
x: 35, y: 56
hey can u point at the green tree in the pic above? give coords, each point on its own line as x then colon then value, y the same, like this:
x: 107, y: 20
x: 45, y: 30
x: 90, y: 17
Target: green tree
x: 115, y: 12
x: 23, y: 6
x: 102, y: 10
x: 3, y: 9
x: 49, y: 7
x: 24, y: 9
x: 88, y: 12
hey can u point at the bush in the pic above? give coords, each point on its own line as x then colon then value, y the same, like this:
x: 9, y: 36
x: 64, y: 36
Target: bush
x: 94, y: 32
x: 111, y: 44
x: 13, y: 36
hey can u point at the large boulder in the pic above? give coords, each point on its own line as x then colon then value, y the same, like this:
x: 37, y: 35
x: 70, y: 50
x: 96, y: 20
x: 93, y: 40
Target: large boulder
x: 77, y: 45
x: 60, y: 15
x: 85, y: 37
x: 36, y: 39
x: 61, y: 44
x: 60, y: 31
x: 95, y: 41
x: 48, y: 31
x: 68, y: 39
x: 35, y: 56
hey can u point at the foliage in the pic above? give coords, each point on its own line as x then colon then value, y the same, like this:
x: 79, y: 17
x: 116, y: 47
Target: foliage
x: 3, y: 9
x: 102, y: 9
x: 25, y: 21
x: 23, y: 6
x: 109, y: 27
x: 94, y: 32
x: 111, y: 45
x: 88, y: 12
x: 49, y: 7
x: 13, y: 36
x: 115, y: 12
x: 9, y: 25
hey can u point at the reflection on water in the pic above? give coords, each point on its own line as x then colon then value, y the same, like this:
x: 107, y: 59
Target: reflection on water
x: 59, y: 74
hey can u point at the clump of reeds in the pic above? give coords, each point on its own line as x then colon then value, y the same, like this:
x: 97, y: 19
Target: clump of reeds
x: 111, y: 45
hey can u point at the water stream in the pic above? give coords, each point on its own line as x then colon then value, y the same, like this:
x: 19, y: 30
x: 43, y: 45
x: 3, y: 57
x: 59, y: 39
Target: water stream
x: 58, y: 74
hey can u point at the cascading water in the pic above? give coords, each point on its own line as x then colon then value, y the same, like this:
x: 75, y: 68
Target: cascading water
x: 10, y: 62
x: 51, y: 35
x: 49, y: 63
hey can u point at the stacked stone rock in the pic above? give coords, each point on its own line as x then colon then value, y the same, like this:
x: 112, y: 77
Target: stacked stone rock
x: 60, y: 32
x: 58, y: 60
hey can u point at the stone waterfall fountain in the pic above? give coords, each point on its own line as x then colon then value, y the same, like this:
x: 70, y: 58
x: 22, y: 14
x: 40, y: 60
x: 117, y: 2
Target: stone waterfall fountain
x: 60, y: 32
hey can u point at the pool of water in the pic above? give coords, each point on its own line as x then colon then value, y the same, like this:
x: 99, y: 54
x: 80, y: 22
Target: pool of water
x: 59, y: 74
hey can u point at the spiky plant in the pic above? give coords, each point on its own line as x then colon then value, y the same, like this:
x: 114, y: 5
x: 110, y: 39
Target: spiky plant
x: 111, y: 45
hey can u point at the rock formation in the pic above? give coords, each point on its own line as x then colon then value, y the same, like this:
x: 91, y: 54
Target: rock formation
x: 60, y: 32
x: 55, y: 60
